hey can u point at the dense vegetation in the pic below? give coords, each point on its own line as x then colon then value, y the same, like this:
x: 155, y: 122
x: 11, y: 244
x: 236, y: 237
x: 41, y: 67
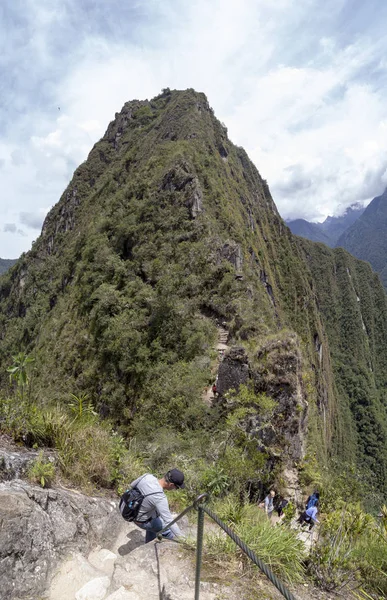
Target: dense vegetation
x: 166, y: 230
x: 5, y: 264
x: 366, y: 238
x: 353, y: 307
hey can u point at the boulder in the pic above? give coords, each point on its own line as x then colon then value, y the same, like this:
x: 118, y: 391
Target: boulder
x: 95, y: 589
x: 103, y: 560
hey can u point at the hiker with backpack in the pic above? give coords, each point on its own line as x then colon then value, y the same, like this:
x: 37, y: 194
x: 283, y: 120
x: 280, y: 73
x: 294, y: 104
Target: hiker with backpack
x: 146, y: 504
x: 309, y: 517
x: 313, y: 500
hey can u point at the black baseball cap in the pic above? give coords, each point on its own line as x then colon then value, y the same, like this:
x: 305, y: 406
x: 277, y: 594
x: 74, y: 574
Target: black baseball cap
x: 176, y: 477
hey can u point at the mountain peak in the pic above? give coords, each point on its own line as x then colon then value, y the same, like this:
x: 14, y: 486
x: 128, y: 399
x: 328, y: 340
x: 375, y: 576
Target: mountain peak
x: 165, y: 232
x: 366, y: 238
x: 329, y: 230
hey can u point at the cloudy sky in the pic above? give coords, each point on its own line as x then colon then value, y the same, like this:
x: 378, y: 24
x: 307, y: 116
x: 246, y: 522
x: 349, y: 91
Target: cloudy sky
x: 301, y: 84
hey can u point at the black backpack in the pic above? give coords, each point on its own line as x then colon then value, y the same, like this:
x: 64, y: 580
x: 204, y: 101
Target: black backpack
x: 131, y: 501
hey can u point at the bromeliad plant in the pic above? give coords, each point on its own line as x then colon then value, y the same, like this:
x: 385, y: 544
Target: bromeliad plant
x: 42, y: 471
x: 19, y: 371
x: 81, y: 407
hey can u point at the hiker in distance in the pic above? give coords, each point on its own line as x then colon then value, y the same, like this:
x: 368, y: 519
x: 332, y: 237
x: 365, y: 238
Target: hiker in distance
x: 154, y: 513
x: 269, y: 503
x: 309, y: 516
x: 313, y: 500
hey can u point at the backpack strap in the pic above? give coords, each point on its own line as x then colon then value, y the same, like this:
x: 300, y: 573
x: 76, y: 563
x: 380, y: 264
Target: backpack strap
x: 144, y: 495
x: 139, y: 481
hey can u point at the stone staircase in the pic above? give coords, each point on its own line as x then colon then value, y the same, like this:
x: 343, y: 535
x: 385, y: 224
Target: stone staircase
x: 131, y: 570
x: 222, y: 336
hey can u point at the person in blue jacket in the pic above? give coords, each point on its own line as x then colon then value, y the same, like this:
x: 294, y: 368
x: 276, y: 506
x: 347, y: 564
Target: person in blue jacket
x: 309, y: 517
x: 313, y: 500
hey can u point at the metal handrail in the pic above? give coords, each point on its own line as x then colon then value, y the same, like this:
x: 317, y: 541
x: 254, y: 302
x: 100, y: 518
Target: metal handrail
x: 199, y: 505
x: 199, y: 499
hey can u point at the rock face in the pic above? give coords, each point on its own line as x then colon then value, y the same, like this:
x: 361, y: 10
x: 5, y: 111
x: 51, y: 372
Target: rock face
x: 233, y: 371
x: 277, y: 373
x: 38, y: 526
x: 14, y: 465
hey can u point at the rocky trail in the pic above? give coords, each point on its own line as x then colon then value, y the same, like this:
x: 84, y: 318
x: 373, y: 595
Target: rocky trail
x: 129, y: 570
x: 221, y: 347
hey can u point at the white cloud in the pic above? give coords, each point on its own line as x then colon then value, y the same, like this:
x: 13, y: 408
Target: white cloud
x: 12, y: 228
x: 33, y: 220
x: 303, y: 94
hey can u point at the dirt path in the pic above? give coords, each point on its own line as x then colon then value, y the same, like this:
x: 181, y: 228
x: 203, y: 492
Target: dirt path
x: 221, y: 347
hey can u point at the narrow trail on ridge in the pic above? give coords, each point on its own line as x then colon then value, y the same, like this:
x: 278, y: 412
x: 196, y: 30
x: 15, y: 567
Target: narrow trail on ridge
x: 221, y: 347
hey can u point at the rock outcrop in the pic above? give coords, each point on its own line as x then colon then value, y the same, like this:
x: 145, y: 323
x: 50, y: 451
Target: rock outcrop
x: 38, y: 526
x: 275, y: 371
x: 233, y: 371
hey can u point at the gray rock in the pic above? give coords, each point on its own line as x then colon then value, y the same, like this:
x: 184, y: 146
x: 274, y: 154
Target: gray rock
x: 233, y: 371
x: 38, y: 526
x: 14, y: 465
x: 103, y: 560
x: 71, y: 576
x: 95, y: 589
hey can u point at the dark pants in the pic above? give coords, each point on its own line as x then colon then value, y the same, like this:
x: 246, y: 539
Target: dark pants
x: 305, y: 519
x: 152, y: 528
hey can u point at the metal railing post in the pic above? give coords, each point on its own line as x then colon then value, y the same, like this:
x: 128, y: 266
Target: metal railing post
x: 199, y: 550
x: 199, y: 505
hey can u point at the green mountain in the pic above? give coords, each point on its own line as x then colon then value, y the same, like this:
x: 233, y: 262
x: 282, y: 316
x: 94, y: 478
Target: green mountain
x: 329, y: 230
x: 5, y: 264
x: 367, y: 239
x: 165, y: 231
x: 310, y: 231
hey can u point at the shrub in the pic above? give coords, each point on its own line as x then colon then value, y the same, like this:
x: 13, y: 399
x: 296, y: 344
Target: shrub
x: 350, y: 551
x: 215, y: 481
x: 42, y: 471
x: 89, y: 452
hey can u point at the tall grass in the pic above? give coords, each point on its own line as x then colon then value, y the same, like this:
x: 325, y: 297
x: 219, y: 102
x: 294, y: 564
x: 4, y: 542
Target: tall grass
x: 277, y: 546
x: 351, y: 552
x: 90, y: 454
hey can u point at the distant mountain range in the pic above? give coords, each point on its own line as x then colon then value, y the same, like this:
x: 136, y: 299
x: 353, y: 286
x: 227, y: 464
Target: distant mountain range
x: 361, y: 231
x: 6, y: 263
x: 330, y: 230
x: 366, y: 238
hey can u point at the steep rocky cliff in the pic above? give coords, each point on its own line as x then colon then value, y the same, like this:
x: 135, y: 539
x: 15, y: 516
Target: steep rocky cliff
x: 165, y: 230
x: 39, y: 526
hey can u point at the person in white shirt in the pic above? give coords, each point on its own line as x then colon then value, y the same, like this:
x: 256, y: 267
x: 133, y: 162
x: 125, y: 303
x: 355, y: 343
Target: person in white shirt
x: 154, y: 512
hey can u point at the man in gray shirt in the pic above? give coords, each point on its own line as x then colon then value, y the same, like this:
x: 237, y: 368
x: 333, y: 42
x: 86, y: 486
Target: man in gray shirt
x: 154, y: 512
